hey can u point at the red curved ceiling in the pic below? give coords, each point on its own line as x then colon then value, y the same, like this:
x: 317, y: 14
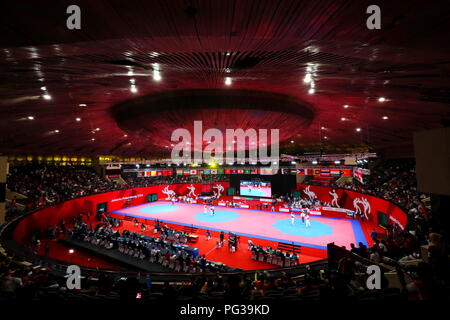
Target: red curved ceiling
x: 264, y: 46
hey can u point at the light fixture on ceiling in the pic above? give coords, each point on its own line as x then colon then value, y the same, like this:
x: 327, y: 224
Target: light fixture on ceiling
x: 47, y: 96
x: 343, y: 119
x: 133, y: 88
x: 311, y: 90
x: 78, y: 119
x: 82, y: 105
x: 157, y: 75
x: 385, y: 117
x: 345, y: 106
x: 337, y: 162
x: 30, y: 118
x: 314, y: 162
x: 358, y: 129
x: 228, y: 81
x: 381, y: 99
x: 43, y: 88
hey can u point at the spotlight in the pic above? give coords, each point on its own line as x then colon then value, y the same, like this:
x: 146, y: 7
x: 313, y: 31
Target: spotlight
x: 30, y: 118
x: 307, y: 78
x: 71, y: 251
x: 311, y: 91
x: 337, y: 162
x: 385, y: 118
x: 47, y: 96
x: 156, y: 76
x: 381, y: 99
x: 314, y: 162
x: 358, y: 129
x: 228, y: 81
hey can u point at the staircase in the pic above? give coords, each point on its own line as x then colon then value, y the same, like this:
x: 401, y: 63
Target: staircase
x: 289, y: 247
x: 190, y: 230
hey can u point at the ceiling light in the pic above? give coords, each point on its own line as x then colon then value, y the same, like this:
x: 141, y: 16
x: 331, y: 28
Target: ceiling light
x: 71, y: 251
x: 56, y: 131
x: 82, y: 105
x: 325, y: 137
x: 343, y: 119
x: 78, y: 119
x: 314, y: 162
x: 307, y: 78
x: 358, y: 129
x: 43, y: 88
x: 311, y: 91
x: 93, y: 139
x: 337, y: 162
x: 228, y: 54
x: 130, y: 73
x: 125, y: 135
x: 292, y: 141
x: 47, y: 96
x: 133, y: 88
x: 323, y: 128
x: 132, y: 80
x: 157, y: 75
x: 30, y: 118
x: 97, y: 129
x: 381, y: 99
x: 385, y: 118
x: 345, y: 106
x: 228, y: 81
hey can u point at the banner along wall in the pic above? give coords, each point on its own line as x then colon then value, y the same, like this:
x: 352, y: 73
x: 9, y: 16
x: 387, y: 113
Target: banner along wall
x: 53, y: 215
x: 366, y: 204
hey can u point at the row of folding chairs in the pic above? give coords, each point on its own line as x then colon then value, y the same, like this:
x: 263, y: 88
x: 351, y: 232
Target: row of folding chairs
x: 273, y: 259
x: 132, y: 253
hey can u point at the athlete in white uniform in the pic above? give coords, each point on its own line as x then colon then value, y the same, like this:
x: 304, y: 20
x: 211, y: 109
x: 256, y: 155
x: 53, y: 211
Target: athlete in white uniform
x: 205, y: 209
x: 307, y: 221
x: 212, y: 210
x: 302, y: 215
x: 292, y: 218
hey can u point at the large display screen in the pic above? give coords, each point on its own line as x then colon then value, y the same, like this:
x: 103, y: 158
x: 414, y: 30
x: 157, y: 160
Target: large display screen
x: 256, y: 188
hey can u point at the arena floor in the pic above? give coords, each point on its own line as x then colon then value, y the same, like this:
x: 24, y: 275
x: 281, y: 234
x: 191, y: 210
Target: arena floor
x: 264, y: 225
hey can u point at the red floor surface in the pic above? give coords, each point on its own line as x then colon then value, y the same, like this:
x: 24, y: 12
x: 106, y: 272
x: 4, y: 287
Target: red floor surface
x: 239, y: 259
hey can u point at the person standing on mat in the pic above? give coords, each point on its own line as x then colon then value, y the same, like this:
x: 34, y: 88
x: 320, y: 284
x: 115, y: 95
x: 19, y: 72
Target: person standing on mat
x: 205, y: 209
x: 212, y: 210
x: 222, y: 236
x: 292, y: 218
x: 307, y: 222
x: 302, y: 215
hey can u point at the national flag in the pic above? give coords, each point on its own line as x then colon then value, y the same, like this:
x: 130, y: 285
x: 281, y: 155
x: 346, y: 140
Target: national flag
x: 193, y: 171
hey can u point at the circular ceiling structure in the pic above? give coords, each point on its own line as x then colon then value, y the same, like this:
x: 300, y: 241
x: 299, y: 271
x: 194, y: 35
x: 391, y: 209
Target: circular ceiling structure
x: 154, y: 117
